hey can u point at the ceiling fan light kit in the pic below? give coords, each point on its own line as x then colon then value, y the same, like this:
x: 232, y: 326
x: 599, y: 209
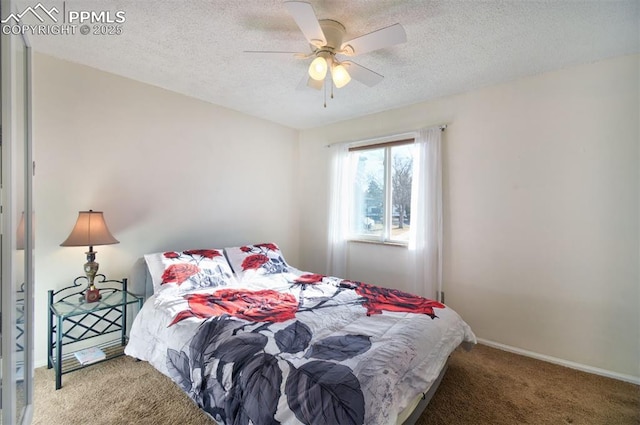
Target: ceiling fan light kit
x: 326, y: 38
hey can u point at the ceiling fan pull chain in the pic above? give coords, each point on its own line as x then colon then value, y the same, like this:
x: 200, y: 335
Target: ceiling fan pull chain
x: 325, y: 93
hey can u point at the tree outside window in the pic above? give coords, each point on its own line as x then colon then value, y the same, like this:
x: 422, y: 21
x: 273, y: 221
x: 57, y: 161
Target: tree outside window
x: 381, y: 204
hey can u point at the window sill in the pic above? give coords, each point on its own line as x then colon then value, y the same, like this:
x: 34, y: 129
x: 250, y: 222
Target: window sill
x: 397, y: 244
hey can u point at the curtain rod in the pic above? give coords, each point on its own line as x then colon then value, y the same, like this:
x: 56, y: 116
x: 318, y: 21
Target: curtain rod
x: 442, y: 127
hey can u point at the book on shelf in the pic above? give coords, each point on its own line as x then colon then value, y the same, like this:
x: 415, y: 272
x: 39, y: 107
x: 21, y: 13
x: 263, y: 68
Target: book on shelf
x: 90, y: 355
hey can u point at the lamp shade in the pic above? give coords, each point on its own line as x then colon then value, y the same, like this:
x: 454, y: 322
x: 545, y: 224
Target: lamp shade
x: 90, y: 230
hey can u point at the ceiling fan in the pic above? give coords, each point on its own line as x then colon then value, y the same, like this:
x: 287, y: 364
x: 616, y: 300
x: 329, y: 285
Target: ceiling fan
x: 326, y: 39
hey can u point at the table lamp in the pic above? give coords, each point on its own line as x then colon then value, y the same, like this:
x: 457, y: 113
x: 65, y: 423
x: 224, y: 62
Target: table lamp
x: 90, y: 230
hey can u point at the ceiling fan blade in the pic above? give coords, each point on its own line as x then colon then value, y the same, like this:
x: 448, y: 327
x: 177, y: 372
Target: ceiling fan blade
x: 302, y: 12
x: 315, y: 84
x: 307, y: 82
x: 364, y: 75
x: 378, y: 39
x: 274, y: 54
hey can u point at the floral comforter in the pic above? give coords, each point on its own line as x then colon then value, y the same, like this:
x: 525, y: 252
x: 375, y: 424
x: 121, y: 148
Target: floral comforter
x: 291, y: 348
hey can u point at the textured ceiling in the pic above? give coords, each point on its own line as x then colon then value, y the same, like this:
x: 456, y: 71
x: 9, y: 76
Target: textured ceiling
x: 196, y: 48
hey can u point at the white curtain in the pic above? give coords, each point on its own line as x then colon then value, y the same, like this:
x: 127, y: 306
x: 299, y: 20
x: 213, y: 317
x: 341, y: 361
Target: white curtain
x: 425, y: 241
x: 338, y: 211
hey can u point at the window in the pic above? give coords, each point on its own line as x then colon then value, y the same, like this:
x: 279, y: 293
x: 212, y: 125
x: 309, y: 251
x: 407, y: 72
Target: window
x: 381, y: 182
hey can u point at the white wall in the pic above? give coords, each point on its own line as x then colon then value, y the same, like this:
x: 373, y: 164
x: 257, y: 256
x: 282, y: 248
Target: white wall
x: 541, y: 207
x: 169, y: 172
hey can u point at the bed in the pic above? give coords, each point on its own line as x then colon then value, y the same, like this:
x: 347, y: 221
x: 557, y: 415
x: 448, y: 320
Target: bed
x: 253, y: 340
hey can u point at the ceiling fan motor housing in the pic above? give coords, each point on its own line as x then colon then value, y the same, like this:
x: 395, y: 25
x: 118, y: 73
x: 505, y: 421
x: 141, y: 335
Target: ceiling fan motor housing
x: 333, y: 33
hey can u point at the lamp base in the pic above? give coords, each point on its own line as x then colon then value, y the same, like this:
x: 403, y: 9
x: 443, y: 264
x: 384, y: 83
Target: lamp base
x: 91, y: 267
x: 92, y: 295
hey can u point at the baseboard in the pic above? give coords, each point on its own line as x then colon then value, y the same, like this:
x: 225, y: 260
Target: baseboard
x: 573, y: 365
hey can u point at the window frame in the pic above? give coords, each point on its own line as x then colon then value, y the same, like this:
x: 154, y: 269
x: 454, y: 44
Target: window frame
x: 387, y: 143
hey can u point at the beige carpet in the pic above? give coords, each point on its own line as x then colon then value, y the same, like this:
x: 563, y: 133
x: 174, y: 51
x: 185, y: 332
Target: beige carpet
x: 484, y: 386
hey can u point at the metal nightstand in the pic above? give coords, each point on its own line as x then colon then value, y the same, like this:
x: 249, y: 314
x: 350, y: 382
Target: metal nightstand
x: 73, y: 320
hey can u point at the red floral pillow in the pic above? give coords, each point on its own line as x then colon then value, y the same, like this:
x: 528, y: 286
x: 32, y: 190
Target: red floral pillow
x: 262, y: 258
x: 179, y: 272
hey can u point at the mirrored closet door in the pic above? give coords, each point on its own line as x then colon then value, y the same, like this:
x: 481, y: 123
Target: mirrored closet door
x: 16, y: 248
